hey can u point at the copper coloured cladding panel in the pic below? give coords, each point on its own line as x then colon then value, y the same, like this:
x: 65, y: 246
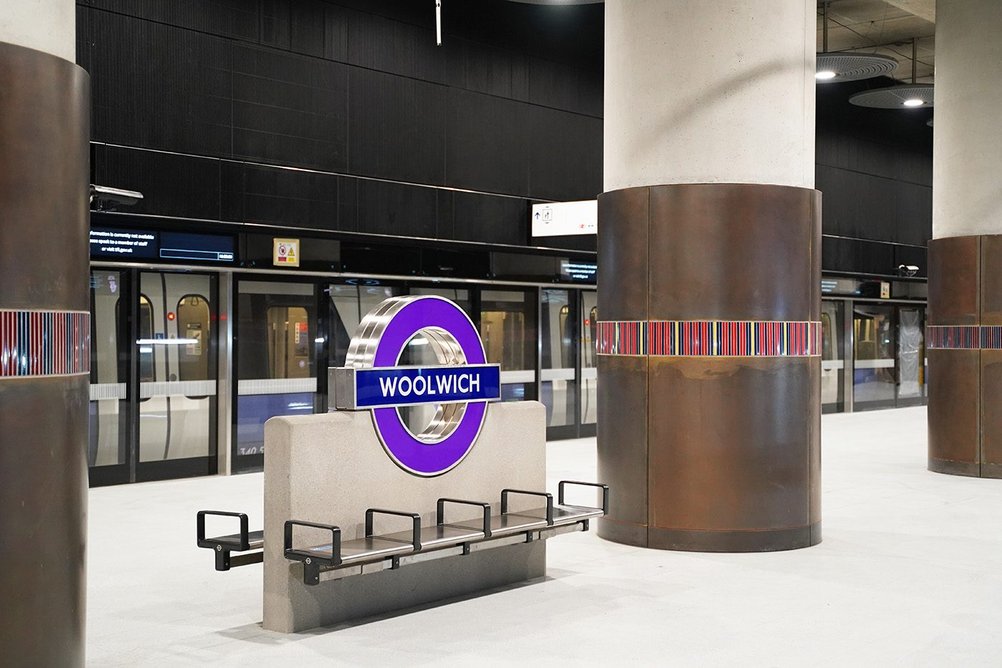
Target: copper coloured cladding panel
x: 954, y: 424
x: 44, y: 170
x: 954, y: 281
x: 622, y: 426
x: 622, y: 447
x: 735, y: 252
x: 991, y: 279
x: 623, y: 254
x: 991, y: 413
x: 734, y: 443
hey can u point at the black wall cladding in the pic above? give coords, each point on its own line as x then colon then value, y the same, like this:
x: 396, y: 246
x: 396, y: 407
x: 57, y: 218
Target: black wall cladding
x: 283, y: 111
x: 209, y: 103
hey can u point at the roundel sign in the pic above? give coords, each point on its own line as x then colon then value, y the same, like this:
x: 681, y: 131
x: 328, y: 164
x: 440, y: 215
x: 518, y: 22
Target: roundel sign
x: 454, y: 389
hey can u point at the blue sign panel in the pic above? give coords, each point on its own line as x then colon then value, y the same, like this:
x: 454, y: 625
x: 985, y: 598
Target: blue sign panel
x: 404, y: 386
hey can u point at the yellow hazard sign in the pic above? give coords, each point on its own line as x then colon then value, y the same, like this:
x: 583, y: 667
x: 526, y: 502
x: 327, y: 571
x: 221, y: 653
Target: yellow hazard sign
x: 286, y: 253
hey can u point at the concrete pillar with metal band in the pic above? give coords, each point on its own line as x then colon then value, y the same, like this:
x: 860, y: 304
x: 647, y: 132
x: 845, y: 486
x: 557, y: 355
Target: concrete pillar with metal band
x: 964, y: 338
x: 709, y: 292
x: 44, y: 334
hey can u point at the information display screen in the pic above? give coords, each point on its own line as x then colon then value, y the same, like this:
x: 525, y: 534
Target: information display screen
x: 147, y: 245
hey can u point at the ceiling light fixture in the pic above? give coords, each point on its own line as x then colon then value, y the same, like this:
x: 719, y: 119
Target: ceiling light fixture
x: 910, y: 96
x: 837, y: 67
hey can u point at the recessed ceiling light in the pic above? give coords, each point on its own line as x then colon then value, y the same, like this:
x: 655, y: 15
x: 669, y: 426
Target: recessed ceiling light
x: 825, y: 75
x: 913, y: 102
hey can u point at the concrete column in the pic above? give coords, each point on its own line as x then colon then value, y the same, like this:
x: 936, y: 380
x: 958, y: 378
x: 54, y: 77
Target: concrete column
x: 709, y: 295
x: 965, y: 256
x: 44, y: 334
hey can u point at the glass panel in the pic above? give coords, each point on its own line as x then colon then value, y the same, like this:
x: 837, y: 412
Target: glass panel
x: 832, y: 356
x: 108, y: 373
x: 277, y: 346
x: 559, y: 383
x: 589, y: 357
x: 508, y: 330
x: 873, y: 335
x: 177, y: 389
x: 349, y: 304
x: 911, y: 353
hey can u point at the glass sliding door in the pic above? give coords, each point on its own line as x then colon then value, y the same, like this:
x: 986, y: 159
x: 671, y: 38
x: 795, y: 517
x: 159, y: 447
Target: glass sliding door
x: 558, y: 361
x: 911, y: 356
x: 589, y: 362
x: 278, y: 343
x: 176, y: 351
x: 508, y: 330
x: 107, y: 450
x: 832, y: 356
x: 874, y: 344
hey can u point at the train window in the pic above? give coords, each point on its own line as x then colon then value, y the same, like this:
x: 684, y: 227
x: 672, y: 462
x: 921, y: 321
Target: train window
x: 193, y: 325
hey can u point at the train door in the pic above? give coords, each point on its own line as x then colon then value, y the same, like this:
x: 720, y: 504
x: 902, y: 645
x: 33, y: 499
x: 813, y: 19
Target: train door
x: 874, y: 344
x: 153, y: 375
x: 588, y: 354
x: 278, y: 348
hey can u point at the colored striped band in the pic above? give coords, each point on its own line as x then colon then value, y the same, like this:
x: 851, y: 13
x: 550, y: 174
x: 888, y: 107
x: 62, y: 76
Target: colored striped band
x: 709, y: 338
x: 44, y: 343
x: 964, y: 337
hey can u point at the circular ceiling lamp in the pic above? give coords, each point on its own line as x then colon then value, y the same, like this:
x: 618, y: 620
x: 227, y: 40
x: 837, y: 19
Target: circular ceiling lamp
x: 902, y: 96
x: 905, y: 96
x: 836, y: 67
x: 844, y: 66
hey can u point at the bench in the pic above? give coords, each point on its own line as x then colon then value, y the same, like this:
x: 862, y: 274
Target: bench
x: 337, y: 558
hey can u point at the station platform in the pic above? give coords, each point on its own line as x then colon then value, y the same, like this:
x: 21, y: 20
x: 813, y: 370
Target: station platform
x: 907, y: 574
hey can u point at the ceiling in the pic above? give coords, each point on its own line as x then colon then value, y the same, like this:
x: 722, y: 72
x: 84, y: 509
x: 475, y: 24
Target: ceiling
x: 884, y: 27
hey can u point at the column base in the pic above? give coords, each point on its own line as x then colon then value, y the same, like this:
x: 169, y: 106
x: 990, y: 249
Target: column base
x: 969, y: 469
x: 683, y: 540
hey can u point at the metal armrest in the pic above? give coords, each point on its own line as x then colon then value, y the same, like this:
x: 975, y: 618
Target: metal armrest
x: 604, y: 488
x: 333, y: 559
x: 415, y: 524
x: 212, y: 544
x: 440, y: 512
x: 545, y: 495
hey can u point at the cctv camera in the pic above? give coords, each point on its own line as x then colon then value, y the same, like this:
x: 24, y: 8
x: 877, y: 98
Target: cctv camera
x: 907, y: 269
x: 103, y: 198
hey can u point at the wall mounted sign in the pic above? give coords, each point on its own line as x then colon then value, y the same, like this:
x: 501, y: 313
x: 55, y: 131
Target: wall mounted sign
x: 285, y: 252
x: 459, y: 385
x: 557, y: 219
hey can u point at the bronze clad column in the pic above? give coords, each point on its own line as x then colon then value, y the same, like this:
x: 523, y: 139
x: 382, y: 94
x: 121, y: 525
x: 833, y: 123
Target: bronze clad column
x: 964, y: 337
x: 709, y: 288
x: 44, y: 353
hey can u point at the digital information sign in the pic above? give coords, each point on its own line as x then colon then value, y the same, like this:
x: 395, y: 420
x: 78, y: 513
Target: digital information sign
x: 147, y: 245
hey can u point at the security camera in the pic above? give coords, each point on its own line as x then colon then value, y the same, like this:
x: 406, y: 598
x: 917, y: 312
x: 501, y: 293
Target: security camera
x: 103, y: 198
x: 907, y: 269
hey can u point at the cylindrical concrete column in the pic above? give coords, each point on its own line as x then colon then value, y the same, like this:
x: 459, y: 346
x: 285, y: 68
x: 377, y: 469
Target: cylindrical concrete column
x: 709, y: 293
x: 44, y: 337
x: 965, y: 256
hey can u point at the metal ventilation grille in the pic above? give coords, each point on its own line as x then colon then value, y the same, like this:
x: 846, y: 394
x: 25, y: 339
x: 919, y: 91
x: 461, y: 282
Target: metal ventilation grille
x: 854, y: 66
x: 894, y: 97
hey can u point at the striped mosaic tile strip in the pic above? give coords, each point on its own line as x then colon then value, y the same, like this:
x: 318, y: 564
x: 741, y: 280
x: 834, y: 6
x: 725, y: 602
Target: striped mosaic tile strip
x: 712, y: 338
x: 44, y: 343
x: 964, y: 337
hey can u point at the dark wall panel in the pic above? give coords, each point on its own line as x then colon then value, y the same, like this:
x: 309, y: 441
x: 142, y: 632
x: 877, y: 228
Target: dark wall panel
x: 172, y: 185
x: 289, y: 109
x: 487, y: 145
x: 396, y: 127
x: 502, y: 220
x: 565, y: 158
x: 392, y: 208
x: 252, y: 193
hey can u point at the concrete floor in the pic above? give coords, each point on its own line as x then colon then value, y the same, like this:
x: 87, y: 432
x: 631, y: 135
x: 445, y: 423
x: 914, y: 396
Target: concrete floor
x: 908, y: 574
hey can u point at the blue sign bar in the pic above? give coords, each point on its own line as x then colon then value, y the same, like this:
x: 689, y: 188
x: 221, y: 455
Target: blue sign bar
x: 405, y: 386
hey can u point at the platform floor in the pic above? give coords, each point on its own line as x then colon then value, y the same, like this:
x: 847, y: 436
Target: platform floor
x: 909, y: 574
